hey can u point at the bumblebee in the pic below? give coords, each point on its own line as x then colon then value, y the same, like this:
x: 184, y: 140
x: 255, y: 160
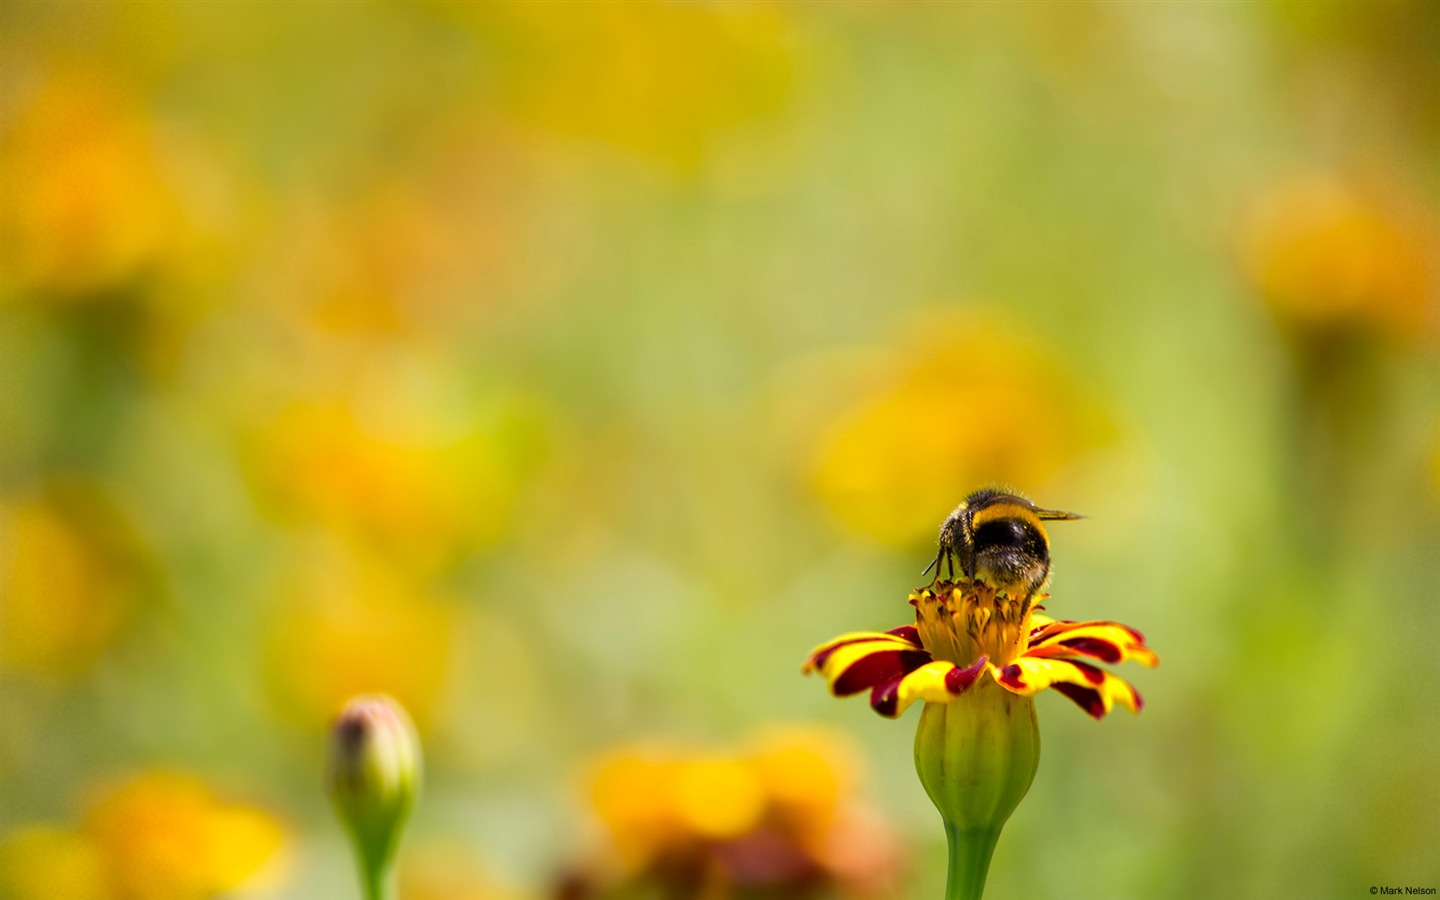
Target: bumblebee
x: 998, y: 538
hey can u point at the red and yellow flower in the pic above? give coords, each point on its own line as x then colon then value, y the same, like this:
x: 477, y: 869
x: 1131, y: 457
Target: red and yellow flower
x: 965, y: 631
x: 977, y: 656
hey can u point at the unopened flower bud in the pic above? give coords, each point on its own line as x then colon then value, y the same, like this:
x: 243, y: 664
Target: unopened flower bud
x: 374, y: 778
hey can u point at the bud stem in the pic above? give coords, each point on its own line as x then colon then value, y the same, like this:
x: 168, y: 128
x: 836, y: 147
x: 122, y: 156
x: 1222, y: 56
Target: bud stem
x: 970, y: 852
x: 378, y: 880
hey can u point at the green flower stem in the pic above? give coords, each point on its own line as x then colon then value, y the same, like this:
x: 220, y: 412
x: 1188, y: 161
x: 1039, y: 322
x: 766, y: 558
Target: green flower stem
x: 970, y: 852
x: 378, y: 881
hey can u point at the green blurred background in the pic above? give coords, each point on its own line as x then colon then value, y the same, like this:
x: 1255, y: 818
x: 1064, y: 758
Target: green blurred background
x: 568, y: 371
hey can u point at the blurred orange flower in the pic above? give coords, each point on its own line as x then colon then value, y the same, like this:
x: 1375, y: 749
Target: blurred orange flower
x: 168, y: 836
x: 777, y: 817
x: 155, y: 836
x: 957, y: 404
x: 1326, y: 255
x: 420, y: 254
x: 69, y: 576
x: 86, y: 204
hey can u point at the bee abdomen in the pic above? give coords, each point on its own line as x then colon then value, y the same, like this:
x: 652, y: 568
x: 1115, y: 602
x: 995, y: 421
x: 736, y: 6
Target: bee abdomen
x: 1013, y: 554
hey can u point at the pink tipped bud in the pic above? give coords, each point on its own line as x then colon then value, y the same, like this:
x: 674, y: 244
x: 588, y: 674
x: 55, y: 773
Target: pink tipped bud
x: 374, y: 776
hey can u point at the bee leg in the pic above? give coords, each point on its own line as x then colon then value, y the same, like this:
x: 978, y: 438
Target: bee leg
x: 934, y: 564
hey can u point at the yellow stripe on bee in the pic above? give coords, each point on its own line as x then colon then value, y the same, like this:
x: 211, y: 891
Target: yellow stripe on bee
x: 999, y: 511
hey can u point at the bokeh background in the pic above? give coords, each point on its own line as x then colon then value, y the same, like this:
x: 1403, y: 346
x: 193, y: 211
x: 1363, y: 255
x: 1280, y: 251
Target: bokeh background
x: 568, y: 371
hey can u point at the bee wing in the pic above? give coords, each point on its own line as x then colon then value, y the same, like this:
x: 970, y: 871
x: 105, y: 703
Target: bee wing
x: 1055, y: 514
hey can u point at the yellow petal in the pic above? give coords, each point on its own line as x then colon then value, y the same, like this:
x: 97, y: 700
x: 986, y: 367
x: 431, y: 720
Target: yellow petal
x: 868, y: 663
x: 819, y: 654
x: 1093, y: 690
x: 936, y: 682
x: 1109, y: 642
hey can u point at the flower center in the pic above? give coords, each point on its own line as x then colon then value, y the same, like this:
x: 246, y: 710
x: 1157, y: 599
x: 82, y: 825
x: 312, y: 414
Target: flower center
x: 959, y: 621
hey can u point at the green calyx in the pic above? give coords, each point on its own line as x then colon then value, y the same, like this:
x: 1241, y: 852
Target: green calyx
x: 976, y: 757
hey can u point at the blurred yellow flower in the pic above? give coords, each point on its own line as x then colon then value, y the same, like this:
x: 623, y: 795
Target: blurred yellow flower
x: 155, y: 836
x: 806, y: 776
x: 404, y: 479
x: 85, y: 203
x: 168, y: 837
x: 1326, y: 255
x: 68, y: 580
x: 716, y: 798
x: 658, y: 79
x: 775, y: 817
x: 630, y: 793
x: 957, y: 404
x: 349, y: 625
x: 650, y: 802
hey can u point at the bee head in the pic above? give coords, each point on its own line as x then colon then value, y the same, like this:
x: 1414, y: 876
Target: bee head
x: 998, y: 537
